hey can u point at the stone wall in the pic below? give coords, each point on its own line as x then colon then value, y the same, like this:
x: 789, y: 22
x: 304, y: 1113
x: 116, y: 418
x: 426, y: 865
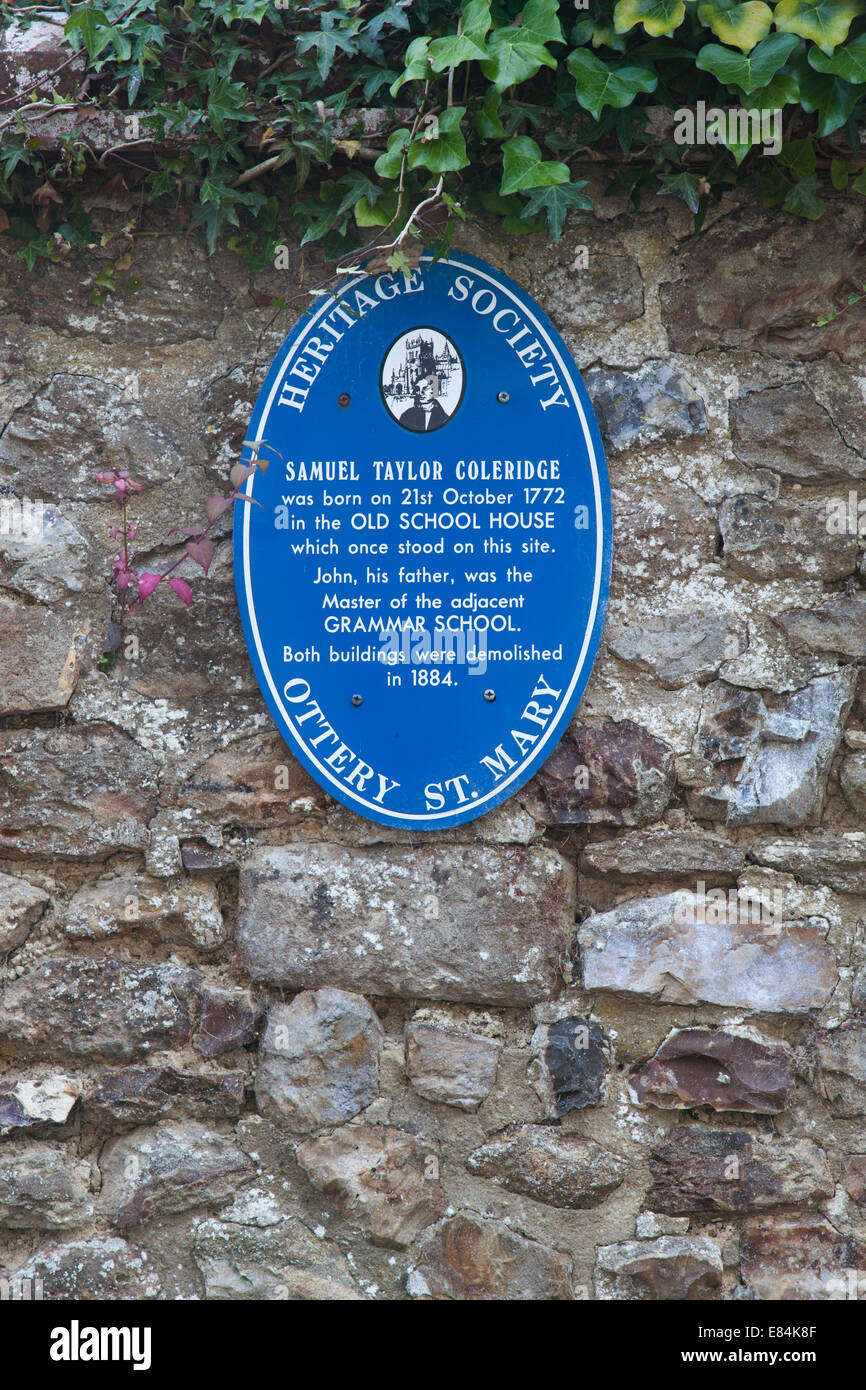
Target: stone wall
x: 252, y: 1046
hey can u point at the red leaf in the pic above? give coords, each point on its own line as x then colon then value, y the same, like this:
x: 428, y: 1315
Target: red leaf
x: 47, y: 193
x: 240, y: 473
x: 147, y: 582
x: 215, y: 506
x: 182, y: 589
x: 202, y: 552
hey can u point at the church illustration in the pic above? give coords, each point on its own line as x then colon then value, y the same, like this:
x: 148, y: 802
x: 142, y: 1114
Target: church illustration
x: 420, y: 359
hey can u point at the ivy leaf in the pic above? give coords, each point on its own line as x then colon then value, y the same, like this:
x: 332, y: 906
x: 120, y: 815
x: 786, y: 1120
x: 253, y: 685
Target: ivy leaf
x: 447, y: 150
x: 452, y: 50
x: 524, y: 167
x: 825, y: 22
x: 216, y: 207
x: 513, y: 58
x: 799, y: 156
x: 487, y: 121
x: 839, y: 174
x: 686, y: 186
x: 393, y: 17
x: 354, y: 185
x: 657, y: 16
x: 804, y: 199
x: 512, y: 210
x: 556, y: 200
x: 597, y: 28
x: 226, y: 102
x: 848, y: 63
x: 833, y: 99
x: 388, y: 165
x: 94, y: 28
x: 781, y: 90
x: 475, y: 18
x: 742, y: 25
x: 599, y: 86
x: 326, y: 41
x: 316, y: 218
x: 368, y: 215
x: 417, y: 61
x: 539, y: 21
x: 747, y: 70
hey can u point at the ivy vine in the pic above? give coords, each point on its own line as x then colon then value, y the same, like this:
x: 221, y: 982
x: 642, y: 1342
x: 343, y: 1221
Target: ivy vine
x: 250, y: 113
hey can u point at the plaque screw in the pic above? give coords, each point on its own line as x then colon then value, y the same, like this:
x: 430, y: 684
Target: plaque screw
x: 490, y: 694
x: 344, y: 399
x: 503, y: 397
x: 357, y: 700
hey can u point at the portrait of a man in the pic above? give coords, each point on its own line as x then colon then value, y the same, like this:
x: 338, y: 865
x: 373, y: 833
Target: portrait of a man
x: 421, y: 380
x: 426, y: 413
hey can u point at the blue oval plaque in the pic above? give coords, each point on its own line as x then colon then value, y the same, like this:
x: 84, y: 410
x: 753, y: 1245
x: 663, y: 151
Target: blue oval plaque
x: 423, y: 583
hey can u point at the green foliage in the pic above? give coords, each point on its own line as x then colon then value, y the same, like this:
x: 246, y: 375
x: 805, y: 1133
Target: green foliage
x: 825, y: 22
x: 742, y: 25
x: 598, y: 85
x: 495, y: 105
x: 747, y: 71
x: 657, y: 16
x: 523, y: 166
x: 555, y: 201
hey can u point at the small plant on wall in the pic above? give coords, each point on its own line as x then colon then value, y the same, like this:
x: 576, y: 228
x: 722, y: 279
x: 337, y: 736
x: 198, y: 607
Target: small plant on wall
x: 131, y: 584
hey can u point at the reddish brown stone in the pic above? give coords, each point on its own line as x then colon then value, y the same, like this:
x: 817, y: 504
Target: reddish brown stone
x: 229, y: 1019
x: 665, y: 854
x: 382, y: 1179
x: 687, y: 1268
x: 805, y: 1259
x: 726, y: 1170
x: 785, y: 429
x: 476, y: 1261
x: 612, y: 774
x: 676, y: 530
x: 170, y: 1168
x: 140, y: 1095
x: 83, y: 1006
x: 842, y: 1069
x: 761, y: 282
x: 854, y: 1178
x: 255, y: 782
x: 40, y: 659
x: 539, y: 1161
x: 29, y: 55
x: 698, y: 1067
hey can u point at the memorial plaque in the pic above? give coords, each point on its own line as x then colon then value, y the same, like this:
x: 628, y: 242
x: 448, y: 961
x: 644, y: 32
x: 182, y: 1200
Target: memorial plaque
x: 423, y: 581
